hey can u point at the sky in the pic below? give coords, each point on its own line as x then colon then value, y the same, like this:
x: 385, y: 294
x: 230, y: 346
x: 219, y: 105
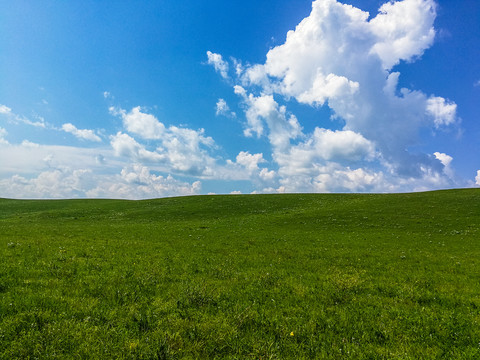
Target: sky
x: 147, y: 99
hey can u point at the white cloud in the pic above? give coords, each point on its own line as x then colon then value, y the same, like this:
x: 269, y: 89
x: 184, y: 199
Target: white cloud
x: 326, y: 87
x: 446, y: 160
x: 39, y: 123
x: 27, y: 143
x: 403, y: 30
x: 249, y: 161
x: 184, y: 149
x: 17, y: 119
x: 133, y: 182
x: 264, y: 110
x: 381, y: 122
x: 126, y: 146
x: 180, y: 150
x: 137, y: 182
x: 267, y: 175
x: 140, y: 123
x: 222, y: 108
x: 340, y: 145
x: 442, y: 111
x: 5, y: 110
x: 32, y: 170
x: 332, y: 177
x: 29, y: 159
x: 477, y: 178
x: 48, y: 184
x: 218, y: 63
x: 81, y: 134
x: 107, y: 95
x: 315, y: 164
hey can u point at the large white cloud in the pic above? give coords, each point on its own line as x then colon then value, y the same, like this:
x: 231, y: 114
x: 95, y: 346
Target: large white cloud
x: 341, y: 57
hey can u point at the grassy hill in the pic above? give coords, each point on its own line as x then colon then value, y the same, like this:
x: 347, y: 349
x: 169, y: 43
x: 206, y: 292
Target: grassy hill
x: 242, y: 277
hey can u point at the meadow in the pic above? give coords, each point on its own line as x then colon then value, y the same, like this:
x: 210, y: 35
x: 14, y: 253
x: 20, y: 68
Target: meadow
x: 300, y: 276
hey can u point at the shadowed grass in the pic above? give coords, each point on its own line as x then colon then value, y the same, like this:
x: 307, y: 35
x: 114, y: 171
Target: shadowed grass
x: 264, y: 276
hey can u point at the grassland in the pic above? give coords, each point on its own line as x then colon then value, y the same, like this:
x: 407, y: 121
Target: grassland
x: 242, y: 277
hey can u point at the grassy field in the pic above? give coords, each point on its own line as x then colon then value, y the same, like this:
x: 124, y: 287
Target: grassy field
x: 242, y: 277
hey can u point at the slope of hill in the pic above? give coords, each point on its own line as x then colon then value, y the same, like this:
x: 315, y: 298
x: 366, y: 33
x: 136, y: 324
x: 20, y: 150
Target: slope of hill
x: 244, y: 276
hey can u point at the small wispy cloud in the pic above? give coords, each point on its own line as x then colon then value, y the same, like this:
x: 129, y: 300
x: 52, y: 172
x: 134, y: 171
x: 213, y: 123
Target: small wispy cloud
x: 223, y: 109
x: 83, y: 134
x: 218, y: 63
x: 108, y: 95
x: 17, y: 119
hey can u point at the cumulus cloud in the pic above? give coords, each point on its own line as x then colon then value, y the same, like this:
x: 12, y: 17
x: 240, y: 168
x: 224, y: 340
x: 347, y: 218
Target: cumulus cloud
x: 81, y: 134
x: 477, y: 178
x: 267, y: 175
x: 249, y: 161
x: 181, y: 150
x: 264, y: 110
x: 442, y: 111
x: 218, y: 63
x: 381, y: 121
x: 143, y: 124
x: 446, y: 161
x: 403, y: 30
x: 185, y: 150
x: 125, y: 145
x: 444, y: 158
x: 340, y: 145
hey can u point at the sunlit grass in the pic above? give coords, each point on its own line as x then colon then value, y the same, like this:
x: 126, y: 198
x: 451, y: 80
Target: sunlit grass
x: 266, y: 276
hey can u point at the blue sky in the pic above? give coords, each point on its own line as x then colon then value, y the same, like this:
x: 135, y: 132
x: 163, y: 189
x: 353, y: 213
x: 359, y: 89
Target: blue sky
x: 146, y: 99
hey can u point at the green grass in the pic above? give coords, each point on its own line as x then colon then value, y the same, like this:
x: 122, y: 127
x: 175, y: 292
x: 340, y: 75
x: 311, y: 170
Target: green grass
x: 242, y: 277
